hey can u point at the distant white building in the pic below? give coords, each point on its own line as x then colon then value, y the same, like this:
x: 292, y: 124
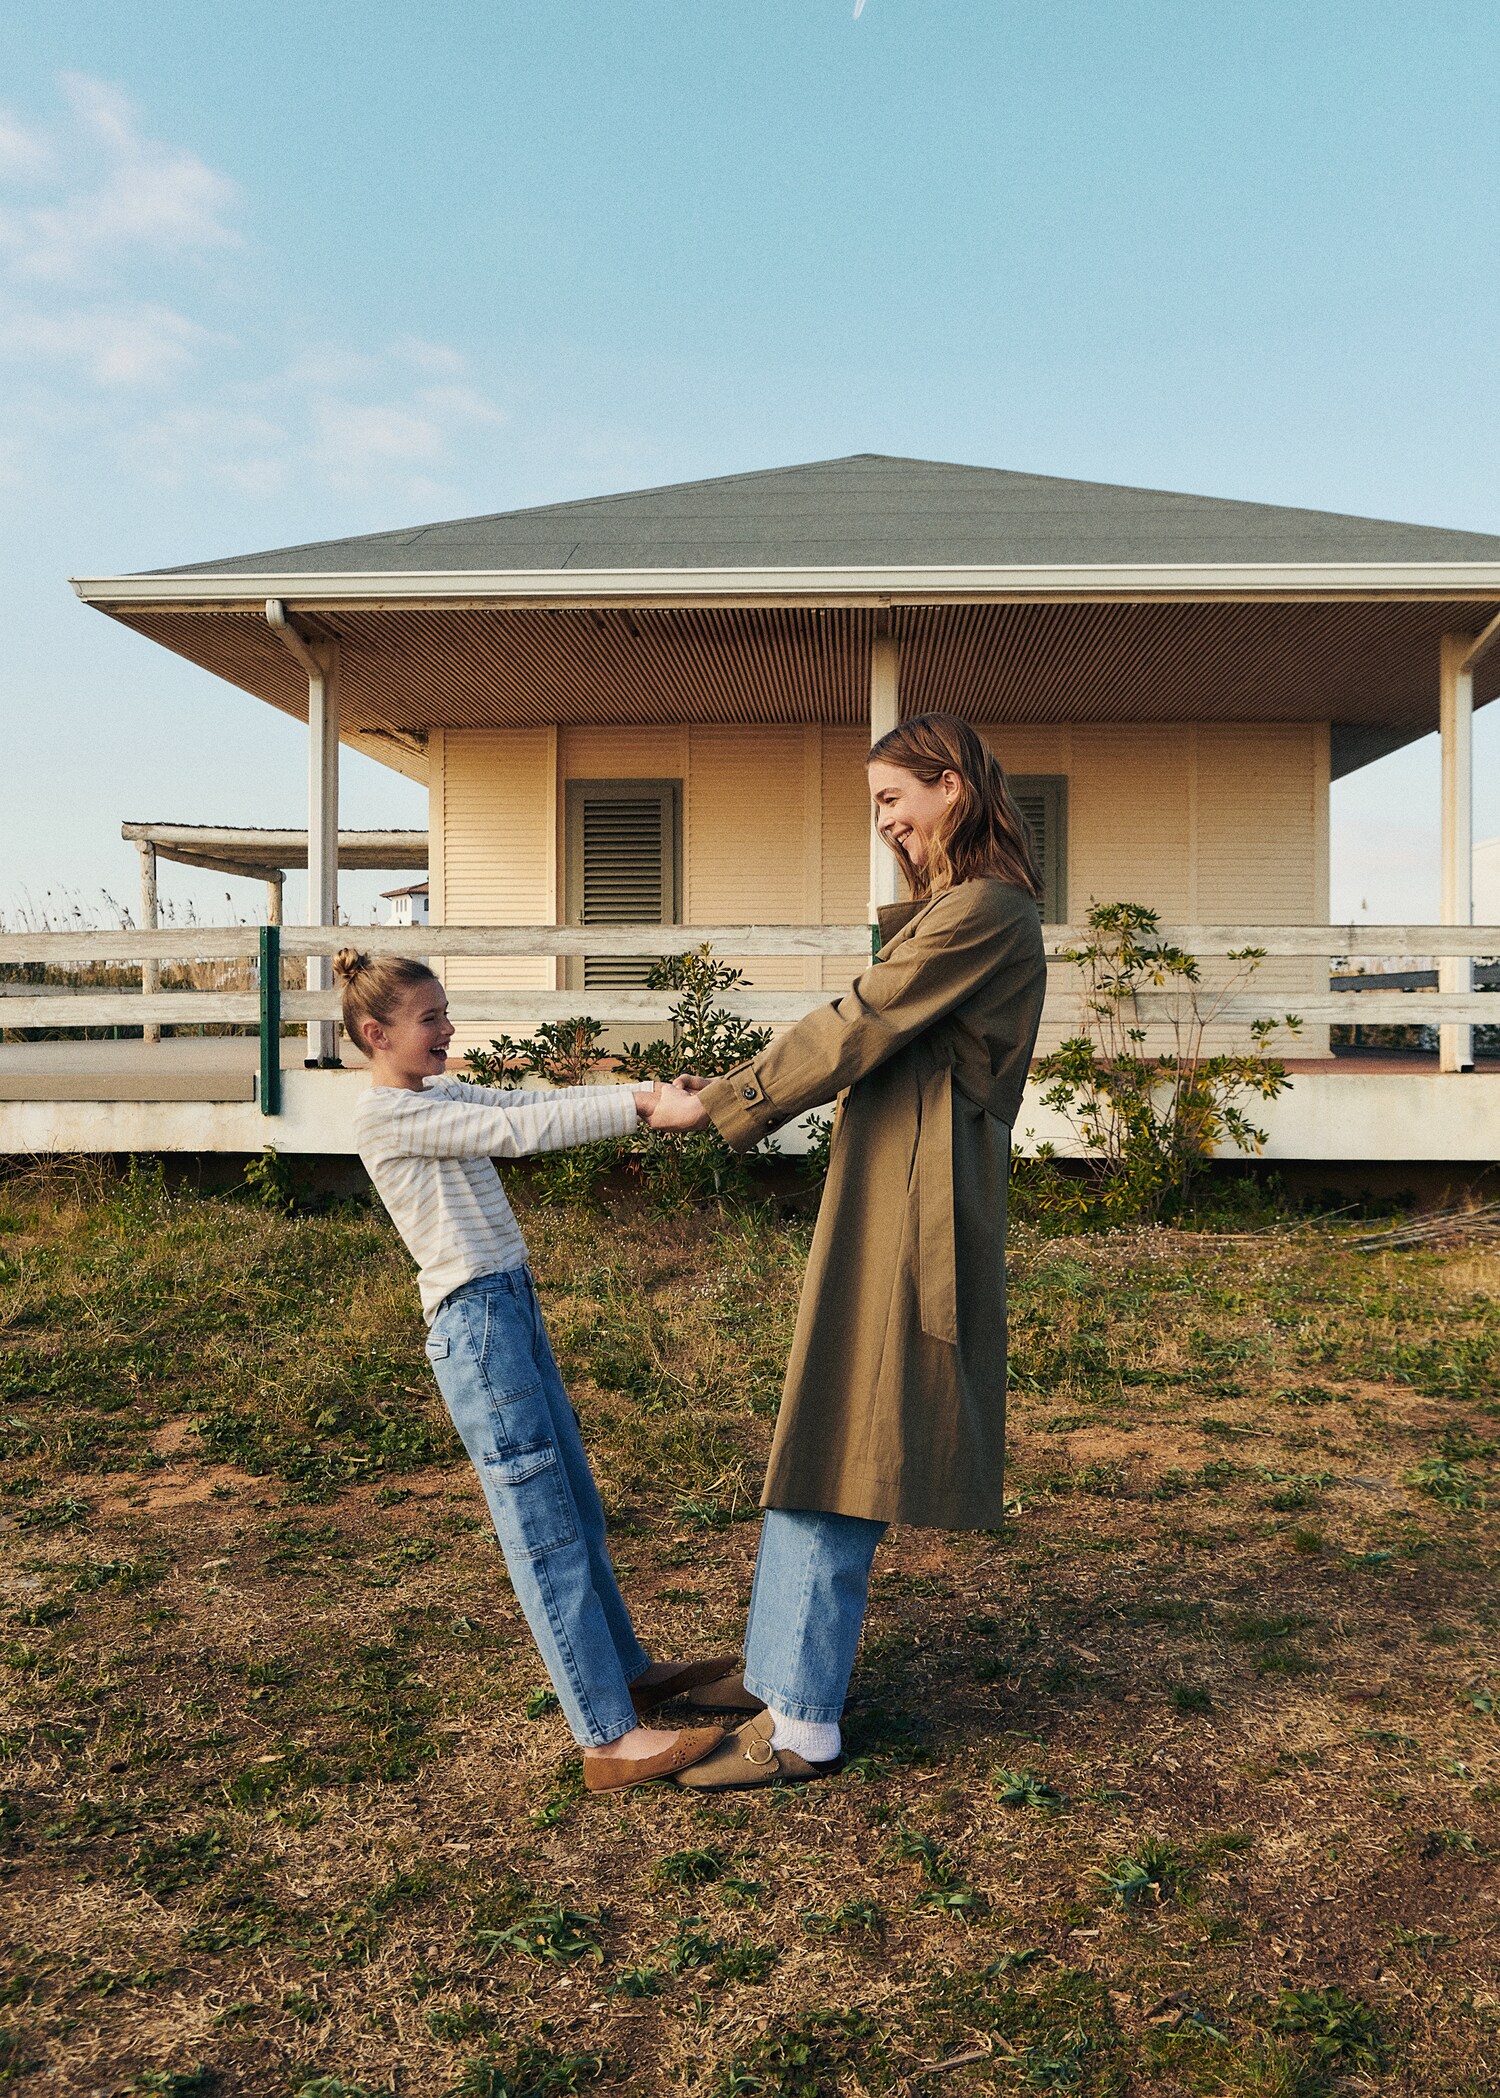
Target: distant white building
x: 408, y: 906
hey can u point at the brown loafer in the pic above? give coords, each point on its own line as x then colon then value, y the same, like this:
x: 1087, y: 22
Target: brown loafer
x: 726, y: 1693
x: 614, y: 1773
x: 747, y: 1758
x: 647, y: 1696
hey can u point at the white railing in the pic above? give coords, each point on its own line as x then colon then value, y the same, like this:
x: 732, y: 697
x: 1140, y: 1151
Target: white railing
x: 108, y: 1006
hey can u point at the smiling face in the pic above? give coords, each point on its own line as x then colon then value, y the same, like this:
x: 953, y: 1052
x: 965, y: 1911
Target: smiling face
x: 909, y: 810
x: 413, y: 1043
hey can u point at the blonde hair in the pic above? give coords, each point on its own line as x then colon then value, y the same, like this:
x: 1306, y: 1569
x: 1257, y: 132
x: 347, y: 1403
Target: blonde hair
x: 374, y: 985
x: 983, y: 832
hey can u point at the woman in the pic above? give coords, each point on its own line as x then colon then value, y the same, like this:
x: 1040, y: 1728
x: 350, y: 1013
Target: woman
x: 894, y: 1406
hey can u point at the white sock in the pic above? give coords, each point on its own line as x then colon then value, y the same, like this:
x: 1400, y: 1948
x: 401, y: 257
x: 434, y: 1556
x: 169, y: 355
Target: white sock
x: 814, y: 1740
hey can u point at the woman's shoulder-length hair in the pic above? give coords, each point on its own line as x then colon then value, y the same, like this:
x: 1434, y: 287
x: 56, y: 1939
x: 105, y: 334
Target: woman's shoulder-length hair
x: 983, y: 832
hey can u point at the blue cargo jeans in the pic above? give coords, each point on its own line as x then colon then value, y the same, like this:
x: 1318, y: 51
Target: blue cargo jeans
x: 495, y: 1368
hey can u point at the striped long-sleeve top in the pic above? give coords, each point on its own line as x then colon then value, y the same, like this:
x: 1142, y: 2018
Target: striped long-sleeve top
x: 429, y: 1155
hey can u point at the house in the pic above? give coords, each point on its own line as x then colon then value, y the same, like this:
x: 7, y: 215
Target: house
x: 653, y: 707
x: 408, y: 906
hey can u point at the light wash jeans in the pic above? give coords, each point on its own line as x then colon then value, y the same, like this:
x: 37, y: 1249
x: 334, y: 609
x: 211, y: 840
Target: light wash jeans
x: 812, y: 1583
x: 495, y: 1368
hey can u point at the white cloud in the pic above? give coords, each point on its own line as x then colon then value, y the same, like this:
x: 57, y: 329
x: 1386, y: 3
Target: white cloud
x: 104, y: 298
x: 123, y: 194
x: 23, y: 153
x: 325, y: 365
x: 226, y: 447
x: 431, y: 357
x: 355, y: 434
x: 262, y: 436
x: 115, y: 345
x: 461, y: 404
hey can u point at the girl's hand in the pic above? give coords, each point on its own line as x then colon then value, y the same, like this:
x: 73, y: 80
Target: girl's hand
x: 677, y: 1110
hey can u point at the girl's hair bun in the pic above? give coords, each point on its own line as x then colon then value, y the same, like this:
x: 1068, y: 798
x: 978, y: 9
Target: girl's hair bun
x: 349, y: 963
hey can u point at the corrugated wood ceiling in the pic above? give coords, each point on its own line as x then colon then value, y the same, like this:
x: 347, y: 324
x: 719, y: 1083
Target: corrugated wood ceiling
x: 405, y: 671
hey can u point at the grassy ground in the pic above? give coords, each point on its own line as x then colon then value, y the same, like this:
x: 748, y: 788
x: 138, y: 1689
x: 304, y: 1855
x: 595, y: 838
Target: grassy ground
x: 1185, y: 1783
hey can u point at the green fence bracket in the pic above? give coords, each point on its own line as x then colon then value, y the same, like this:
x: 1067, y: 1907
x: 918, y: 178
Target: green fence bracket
x: 270, y: 1019
x: 874, y: 943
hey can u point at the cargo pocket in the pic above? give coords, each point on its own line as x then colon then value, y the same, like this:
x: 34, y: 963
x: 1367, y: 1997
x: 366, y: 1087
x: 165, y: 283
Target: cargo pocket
x: 517, y: 1424
x: 529, y: 1497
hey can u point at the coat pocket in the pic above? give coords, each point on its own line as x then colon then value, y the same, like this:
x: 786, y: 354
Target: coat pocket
x: 530, y: 1501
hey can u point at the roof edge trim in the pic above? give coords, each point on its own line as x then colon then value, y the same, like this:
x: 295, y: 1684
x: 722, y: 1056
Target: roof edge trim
x: 578, y: 587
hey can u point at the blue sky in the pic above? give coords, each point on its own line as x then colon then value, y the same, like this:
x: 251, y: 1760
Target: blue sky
x: 280, y: 273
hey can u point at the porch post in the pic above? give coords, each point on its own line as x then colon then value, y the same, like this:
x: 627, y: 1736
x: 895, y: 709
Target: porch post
x: 150, y: 969
x: 275, y: 888
x: 885, y: 712
x: 322, y: 844
x: 1456, y: 726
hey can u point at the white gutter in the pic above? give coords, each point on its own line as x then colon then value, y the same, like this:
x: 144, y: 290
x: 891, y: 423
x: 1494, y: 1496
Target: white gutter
x: 289, y: 632
x: 857, y: 586
x: 322, y: 813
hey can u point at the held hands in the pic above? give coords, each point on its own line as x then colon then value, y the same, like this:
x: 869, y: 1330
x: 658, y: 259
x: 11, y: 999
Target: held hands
x: 673, y: 1106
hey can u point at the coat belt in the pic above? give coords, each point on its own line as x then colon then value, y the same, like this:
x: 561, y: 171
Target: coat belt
x: 937, y: 1247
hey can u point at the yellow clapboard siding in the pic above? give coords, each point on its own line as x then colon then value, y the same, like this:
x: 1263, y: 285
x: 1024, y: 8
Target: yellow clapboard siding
x: 622, y: 753
x: 846, y: 842
x: 744, y: 826
x: 499, y: 863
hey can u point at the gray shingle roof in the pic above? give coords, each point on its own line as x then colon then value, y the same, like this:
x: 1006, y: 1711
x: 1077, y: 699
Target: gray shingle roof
x: 870, y: 511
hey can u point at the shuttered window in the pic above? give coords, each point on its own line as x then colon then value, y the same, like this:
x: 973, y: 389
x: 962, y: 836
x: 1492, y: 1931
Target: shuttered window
x: 1043, y: 801
x: 623, y: 856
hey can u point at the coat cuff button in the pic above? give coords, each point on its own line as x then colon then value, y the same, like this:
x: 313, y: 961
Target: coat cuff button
x: 748, y: 1092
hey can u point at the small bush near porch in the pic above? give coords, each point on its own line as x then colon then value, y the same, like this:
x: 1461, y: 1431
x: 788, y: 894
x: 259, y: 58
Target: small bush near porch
x: 1187, y: 1782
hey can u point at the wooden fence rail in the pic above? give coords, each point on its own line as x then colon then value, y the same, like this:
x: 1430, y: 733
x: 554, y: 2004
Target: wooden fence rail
x: 241, y: 942
x: 25, y: 1006
x: 521, y: 1008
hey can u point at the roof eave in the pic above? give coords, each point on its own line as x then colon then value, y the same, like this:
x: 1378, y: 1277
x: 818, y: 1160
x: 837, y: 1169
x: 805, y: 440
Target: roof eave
x: 573, y: 588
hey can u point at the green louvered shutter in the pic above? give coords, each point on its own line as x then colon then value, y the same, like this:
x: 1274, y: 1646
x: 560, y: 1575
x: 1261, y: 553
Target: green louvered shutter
x: 1043, y: 801
x: 622, y: 869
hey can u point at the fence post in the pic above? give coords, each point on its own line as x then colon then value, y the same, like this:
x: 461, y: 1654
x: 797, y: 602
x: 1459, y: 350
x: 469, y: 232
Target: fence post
x: 270, y: 1019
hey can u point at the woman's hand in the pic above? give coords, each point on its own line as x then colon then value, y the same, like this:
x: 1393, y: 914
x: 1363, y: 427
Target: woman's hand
x: 676, y: 1109
x: 689, y: 1082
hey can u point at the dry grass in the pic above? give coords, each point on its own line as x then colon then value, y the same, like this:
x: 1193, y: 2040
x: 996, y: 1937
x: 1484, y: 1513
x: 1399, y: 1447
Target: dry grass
x: 278, y: 1817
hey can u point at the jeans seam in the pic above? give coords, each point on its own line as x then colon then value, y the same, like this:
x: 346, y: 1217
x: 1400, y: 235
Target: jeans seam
x: 575, y: 1675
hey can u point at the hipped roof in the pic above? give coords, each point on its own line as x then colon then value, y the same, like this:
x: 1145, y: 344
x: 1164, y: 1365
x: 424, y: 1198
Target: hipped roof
x: 869, y: 511
x: 755, y: 598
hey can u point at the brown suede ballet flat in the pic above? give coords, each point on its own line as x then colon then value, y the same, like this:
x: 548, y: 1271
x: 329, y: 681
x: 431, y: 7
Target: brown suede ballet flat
x: 647, y: 1696
x: 725, y: 1693
x: 614, y: 1773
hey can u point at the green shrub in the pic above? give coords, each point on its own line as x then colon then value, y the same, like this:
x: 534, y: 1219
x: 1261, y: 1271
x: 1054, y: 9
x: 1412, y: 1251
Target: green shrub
x: 1148, y: 1123
x: 673, y: 1172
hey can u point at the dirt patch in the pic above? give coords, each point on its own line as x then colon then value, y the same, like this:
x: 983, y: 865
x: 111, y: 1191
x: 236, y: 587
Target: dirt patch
x: 1147, y: 1455
x: 180, y: 1486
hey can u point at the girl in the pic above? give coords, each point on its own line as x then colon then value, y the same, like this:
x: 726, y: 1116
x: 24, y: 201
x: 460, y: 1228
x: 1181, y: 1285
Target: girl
x: 427, y: 1142
x: 894, y: 1407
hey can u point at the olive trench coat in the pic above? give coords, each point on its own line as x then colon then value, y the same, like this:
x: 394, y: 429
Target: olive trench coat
x: 894, y: 1405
